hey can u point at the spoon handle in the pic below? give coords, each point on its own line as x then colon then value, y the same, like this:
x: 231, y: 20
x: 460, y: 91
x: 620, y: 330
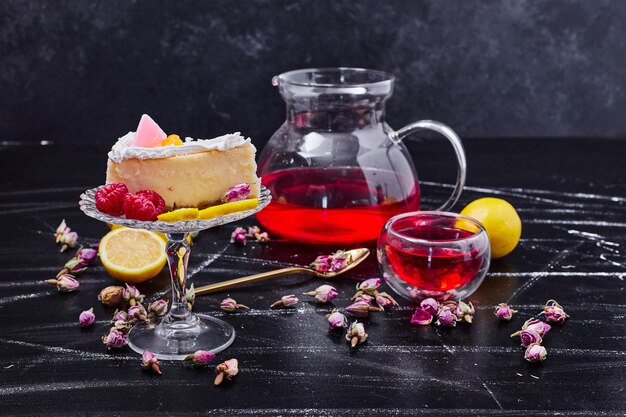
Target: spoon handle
x: 219, y: 286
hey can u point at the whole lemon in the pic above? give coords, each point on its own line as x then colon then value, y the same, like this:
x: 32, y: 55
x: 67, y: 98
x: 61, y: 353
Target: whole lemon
x: 501, y: 221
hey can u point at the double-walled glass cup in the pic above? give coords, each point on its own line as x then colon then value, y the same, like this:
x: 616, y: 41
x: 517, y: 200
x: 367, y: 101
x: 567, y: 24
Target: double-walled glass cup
x: 434, y: 254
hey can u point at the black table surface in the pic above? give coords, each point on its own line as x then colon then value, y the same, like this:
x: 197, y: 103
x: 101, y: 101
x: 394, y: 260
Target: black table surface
x: 571, y: 197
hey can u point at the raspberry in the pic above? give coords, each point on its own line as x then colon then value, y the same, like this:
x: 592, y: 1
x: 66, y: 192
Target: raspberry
x: 109, y: 198
x: 155, y: 198
x: 138, y: 207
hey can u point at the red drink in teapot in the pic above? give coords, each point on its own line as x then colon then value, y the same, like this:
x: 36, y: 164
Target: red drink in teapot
x: 337, y: 172
x: 335, y: 205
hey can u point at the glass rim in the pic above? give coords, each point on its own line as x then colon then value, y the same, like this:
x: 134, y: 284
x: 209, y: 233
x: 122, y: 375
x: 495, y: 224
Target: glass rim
x: 284, y: 77
x: 475, y: 236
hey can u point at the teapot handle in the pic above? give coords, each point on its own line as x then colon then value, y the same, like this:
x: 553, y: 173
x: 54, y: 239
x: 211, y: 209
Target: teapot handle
x: 454, y: 139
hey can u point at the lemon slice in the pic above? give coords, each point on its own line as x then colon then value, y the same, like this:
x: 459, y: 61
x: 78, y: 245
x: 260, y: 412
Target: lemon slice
x: 132, y: 255
x: 179, y: 215
x: 228, y: 208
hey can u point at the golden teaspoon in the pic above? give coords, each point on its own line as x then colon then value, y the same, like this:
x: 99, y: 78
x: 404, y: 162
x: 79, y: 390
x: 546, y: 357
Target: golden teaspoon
x: 358, y: 256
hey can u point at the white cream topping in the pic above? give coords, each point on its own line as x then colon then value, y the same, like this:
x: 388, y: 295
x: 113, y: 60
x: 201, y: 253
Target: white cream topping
x: 123, y: 148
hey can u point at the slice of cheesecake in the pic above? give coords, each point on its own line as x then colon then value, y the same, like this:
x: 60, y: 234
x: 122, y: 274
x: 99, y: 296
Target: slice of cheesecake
x: 196, y: 173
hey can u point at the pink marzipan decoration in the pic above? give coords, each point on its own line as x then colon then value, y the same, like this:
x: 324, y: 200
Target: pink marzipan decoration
x: 149, y: 134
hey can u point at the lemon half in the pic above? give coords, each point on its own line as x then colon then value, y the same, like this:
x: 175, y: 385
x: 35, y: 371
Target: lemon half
x: 132, y: 255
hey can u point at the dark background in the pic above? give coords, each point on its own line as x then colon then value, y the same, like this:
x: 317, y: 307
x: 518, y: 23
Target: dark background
x: 84, y: 71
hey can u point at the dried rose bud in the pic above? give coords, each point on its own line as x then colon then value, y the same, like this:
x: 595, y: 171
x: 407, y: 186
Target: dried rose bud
x: 190, y: 296
x: 464, y: 311
x: 535, y: 325
x: 132, y: 295
x: 369, y: 285
x: 200, y: 357
x: 123, y: 326
x: 87, y: 255
x: 137, y: 313
x: 361, y: 308
x: 61, y: 230
x: 323, y: 293
x: 340, y: 260
x: 65, y: 236
x: 422, y: 317
x: 68, y: 240
x: 253, y: 231
x: 336, y: 319
x: 431, y: 305
x: 149, y: 361
x: 356, y: 334
x: 363, y: 297
x: 79, y: 263
x: 111, y: 296
x: 337, y: 264
x: 529, y: 337
x: 535, y: 353
x: 554, y: 313
x: 157, y: 308
x: 446, y: 318
x: 86, y: 318
x: 262, y: 237
x: 120, y: 315
x: 74, y: 266
x: 472, y: 310
x: 65, y: 283
x: 115, y: 339
x: 238, y: 236
x: 385, y: 300
x: 121, y: 321
x: 321, y: 264
x: 504, y: 312
x: 227, y: 369
x: 237, y: 193
x: 334, y: 262
x: 285, y: 301
x: 230, y: 305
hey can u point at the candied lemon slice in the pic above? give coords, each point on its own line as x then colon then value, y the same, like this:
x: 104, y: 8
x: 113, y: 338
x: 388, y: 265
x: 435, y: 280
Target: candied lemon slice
x: 132, y: 255
x: 179, y: 215
x: 228, y: 208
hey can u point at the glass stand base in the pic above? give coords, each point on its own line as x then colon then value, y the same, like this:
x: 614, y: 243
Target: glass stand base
x: 174, y: 341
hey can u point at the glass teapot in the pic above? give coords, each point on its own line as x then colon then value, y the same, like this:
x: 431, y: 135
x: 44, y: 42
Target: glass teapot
x: 336, y: 170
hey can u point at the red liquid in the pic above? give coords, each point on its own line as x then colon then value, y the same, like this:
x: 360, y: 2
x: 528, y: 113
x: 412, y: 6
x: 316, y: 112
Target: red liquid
x: 335, y: 205
x: 430, y: 267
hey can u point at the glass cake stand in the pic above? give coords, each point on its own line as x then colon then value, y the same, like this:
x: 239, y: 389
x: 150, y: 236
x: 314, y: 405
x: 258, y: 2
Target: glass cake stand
x: 180, y: 332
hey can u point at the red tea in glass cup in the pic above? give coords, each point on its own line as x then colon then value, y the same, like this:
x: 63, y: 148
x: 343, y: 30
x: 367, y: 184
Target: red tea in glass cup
x: 433, y: 254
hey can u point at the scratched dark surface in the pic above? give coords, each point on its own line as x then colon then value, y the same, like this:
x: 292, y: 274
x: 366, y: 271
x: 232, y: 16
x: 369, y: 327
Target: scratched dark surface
x: 572, y: 200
